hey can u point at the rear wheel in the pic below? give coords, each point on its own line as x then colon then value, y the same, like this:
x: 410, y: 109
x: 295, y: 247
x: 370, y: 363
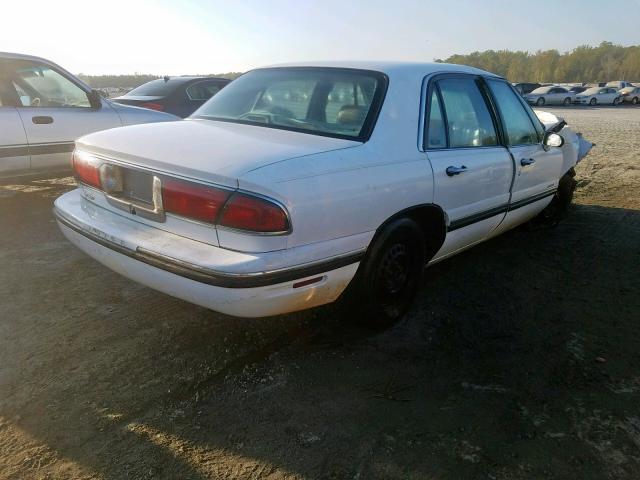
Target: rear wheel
x: 635, y: 100
x: 593, y: 101
x: 567, y: 102
x: 558, y: 209
x: 388, y: 278
x: 540, y: 102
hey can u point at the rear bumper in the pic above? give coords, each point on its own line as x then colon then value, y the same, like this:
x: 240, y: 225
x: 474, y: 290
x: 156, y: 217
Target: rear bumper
x: 209, y: 276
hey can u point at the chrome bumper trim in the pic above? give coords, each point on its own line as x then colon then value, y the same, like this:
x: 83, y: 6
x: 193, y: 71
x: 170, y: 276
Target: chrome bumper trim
x: 214, y: 277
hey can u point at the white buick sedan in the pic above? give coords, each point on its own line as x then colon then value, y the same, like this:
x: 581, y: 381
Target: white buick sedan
x: 297, y: 185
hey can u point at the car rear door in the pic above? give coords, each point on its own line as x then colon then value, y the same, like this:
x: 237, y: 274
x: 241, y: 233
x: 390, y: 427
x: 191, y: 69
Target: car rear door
x: 472, y: 172
x: 14, y: 149
x: 55, y: 111
x: 537, y: 168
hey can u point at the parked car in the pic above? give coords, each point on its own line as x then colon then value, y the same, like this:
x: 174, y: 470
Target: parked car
x: 526, y: 87
x: 577, y: 90
x: 44, y: 108
x: 552, y: 95
x: 598, y: 95
x: 298, y: 184
x: 630, y: 95
x: 619, y: 84
x: 180, y: 96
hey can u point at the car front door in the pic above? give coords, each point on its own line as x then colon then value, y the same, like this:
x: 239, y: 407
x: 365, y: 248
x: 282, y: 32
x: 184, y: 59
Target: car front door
x: 14, y: 149
x: 472, y: 172
x: 537, y: 168
x: 55, y: 111
x: 552, y: 96
x: 603, y: 96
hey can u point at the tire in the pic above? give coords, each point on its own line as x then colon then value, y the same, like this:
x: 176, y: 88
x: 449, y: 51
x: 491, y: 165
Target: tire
x: 388, y: 278
x: 593, y: 101
x: 540, y: 101
x: 635, y: 100
x: 567, y: 102
x: 616, y: 101
x: 558, y: 209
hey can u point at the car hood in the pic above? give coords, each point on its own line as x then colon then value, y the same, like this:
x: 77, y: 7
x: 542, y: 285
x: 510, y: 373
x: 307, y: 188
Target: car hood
x: 134, y: 115
x: 214, y: 151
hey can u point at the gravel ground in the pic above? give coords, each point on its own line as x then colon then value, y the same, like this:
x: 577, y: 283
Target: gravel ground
x: 519, y: 359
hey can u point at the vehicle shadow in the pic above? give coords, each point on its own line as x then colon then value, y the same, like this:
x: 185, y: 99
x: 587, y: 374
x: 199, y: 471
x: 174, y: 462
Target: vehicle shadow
x: 511, y: 361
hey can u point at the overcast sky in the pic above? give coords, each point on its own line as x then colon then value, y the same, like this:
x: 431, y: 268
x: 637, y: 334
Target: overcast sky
x: 197, y: 36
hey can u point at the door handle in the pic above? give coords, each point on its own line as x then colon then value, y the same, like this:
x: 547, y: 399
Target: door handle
x: 527, y: 161
x: 451, y: 171
x: 42, y: 120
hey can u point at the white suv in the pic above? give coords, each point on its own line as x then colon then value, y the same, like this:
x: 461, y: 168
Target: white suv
x: 296, y: 184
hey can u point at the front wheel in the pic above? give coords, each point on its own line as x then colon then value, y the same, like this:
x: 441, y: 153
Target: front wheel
x: 567, y: 102
x: 558, y: 209
x: 389, y: 276
x: 540, y: 102
x: 635, y: 100
x: 593, y: 101
x: 616, y: 101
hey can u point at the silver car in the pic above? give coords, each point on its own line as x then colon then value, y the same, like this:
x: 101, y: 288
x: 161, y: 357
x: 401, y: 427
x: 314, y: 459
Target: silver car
x: 44, y: 108
x: 630, y: 95
x: 550, y: 95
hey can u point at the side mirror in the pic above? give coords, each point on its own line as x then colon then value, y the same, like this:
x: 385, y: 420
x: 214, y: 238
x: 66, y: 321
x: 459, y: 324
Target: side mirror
x: 553, y: 140
x: 95, y: 99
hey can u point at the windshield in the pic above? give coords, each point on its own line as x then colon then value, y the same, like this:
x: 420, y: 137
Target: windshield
x: 542, y: 90
x: 591, y: 91
x: 332, y: 102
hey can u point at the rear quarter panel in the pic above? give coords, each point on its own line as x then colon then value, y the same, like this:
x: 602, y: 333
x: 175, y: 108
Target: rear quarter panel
x: 344, y: 192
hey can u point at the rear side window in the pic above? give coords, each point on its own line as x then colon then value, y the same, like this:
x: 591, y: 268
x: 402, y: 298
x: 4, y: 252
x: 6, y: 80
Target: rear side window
x: 519, y: 128
x: 436, y: 134
x: 469, y: 123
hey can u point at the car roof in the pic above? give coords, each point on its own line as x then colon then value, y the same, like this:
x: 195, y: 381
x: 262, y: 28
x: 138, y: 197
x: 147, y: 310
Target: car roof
x: 391, y: 68
x: 22, y: 56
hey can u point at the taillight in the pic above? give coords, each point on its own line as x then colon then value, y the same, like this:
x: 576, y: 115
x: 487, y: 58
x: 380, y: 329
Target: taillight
x: 86, y: 168
x: 255, y: 214
x: 153, y: 106
x: 193, y: 200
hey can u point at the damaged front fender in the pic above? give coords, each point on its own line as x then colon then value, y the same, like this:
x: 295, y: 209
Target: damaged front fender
x: 575, y: 147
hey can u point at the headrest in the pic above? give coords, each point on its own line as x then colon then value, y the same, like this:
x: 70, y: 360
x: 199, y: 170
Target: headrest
x: 352, y: 114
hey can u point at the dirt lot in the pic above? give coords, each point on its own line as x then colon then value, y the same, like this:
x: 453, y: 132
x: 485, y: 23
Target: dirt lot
x: 520, y: 359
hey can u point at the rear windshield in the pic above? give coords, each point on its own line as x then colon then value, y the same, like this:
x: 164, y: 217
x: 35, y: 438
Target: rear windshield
x: 157, y: 88
x: 334, y: 102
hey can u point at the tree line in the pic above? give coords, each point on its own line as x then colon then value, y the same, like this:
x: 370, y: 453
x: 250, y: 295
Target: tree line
x: 582, y: 64
x: 135, y: 80
x: 585, y: 63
